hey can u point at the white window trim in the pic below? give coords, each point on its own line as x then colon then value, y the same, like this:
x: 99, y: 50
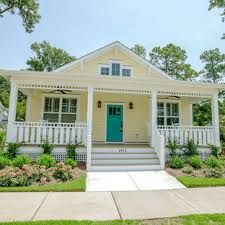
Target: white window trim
x: 61, y: 96
x: 109, y: 65
x: 165, y: 101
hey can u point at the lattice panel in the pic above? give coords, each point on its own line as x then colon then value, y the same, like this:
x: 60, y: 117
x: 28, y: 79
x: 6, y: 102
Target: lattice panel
x: 59, y: 156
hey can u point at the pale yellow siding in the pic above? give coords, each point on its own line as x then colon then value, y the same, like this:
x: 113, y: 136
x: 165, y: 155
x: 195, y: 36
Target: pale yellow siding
x: 91, y: 66
x: 135, y: 120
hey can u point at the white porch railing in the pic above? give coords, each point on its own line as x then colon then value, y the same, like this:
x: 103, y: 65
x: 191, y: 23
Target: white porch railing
x: 160, y: 148
x: 202, y: 136
x: 57, y: 133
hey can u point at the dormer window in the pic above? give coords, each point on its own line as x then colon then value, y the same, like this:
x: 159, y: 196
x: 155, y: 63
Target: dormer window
x: 126, y: 72
x: 104, y: 70
x: 115, y: 69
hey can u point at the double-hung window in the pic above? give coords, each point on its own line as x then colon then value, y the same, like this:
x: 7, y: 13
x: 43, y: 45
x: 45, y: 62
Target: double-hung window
x: 115, y: 69
x: 60, y: 109
x: 168, y: 114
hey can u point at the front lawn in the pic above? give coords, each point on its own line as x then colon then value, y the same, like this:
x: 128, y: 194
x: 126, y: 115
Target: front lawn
x: 213, y: 219
x: 192, y: 182
x: 76, y: 185
x: 115, y: 222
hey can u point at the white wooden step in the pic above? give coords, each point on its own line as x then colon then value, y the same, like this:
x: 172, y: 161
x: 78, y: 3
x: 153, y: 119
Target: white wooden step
x: 125, y: 168
x: 124, y: 161
x: 122, y: 150
x: 123, y: 155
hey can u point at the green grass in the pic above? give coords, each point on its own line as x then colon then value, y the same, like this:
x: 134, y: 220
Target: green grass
x: 70, y: 186
x: 213, y: 219
x: 192, y: 182
x: 115, y: 222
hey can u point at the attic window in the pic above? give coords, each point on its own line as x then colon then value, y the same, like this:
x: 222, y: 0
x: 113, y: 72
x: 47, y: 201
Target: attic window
x: 126, y: 72
x: 104, y: 70
x: 115, y: 69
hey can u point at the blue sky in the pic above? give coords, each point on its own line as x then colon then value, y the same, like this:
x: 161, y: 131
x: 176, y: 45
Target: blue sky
x: 83, y: 26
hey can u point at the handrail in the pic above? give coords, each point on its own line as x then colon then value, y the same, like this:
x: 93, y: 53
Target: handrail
x: 160, y: 148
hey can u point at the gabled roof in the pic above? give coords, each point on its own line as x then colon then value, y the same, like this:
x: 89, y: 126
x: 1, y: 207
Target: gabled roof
x: 108, y: 47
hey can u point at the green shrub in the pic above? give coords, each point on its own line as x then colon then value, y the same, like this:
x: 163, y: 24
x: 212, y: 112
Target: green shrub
x: 187, y: 170
x: 195, y: 161
x: 176, y: 162
x: 71, y: 150
x: 190, y: 148
x: 213, y: 162
x: 173, y: 145
x: 46, y: 146
x: 46, y: 160
x: 215, y: 150
x: 12, y: 149
x: 4, y: 161
x: 21, y: 160
x: 70, y: 162
x: 2, y: 140
x: 63, y: 172
x: 213, y: 172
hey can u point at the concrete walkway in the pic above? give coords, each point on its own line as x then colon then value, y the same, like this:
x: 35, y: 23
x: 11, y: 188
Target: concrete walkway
x: 111, y: 205
x: 131, y: 181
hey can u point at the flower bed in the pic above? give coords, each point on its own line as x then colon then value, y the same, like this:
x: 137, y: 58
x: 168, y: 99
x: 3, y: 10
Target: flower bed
x: 34, y: 174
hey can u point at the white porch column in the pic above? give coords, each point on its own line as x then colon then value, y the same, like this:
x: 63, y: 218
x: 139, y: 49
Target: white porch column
x: 153, y: 116
x: 11, y: 132
x: 89, y: 126
x: 28, y: 107
x: 215, y: 118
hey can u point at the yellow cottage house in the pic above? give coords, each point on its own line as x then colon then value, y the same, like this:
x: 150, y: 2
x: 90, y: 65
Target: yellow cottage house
x: 118, y: 106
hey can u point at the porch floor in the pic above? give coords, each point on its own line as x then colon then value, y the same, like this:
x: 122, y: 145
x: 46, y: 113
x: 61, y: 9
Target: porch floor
x: 131, y: 181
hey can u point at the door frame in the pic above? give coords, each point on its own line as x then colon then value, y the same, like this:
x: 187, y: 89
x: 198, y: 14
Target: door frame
x: 106, y: 110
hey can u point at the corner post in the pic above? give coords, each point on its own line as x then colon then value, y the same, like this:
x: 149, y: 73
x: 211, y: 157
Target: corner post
x: 215, y: 118
x: 89, y: 126
x: 153, y: 116
x: 11, y: 131
x: 28, y: 108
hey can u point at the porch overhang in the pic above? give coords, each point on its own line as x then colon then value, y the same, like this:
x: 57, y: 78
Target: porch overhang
x: 81, y: 81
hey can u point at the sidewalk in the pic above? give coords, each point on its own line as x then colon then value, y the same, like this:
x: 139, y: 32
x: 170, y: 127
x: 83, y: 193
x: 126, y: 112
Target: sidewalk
x: 111, y: 205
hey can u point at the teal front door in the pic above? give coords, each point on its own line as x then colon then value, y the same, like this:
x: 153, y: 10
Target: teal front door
x: 114, y: 131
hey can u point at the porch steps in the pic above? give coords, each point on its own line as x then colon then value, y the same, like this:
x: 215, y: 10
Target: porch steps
x: 124, y: 159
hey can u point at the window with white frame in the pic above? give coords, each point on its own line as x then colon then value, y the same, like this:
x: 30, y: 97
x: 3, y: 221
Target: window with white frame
x: 60, y: 109
x: 115, y: 69
x: 126, y: 72
x: 168, y: 114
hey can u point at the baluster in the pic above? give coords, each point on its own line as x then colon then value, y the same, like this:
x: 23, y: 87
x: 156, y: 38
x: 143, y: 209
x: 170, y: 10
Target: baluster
x: 61, y: 135
x: 20, y: 133
x: 38, y: 138
x: 50, y: 134
x: 67, y: 135
x: 78, y: 134
x: 185, y: 135
x: 204, y: 137
x: 32, y: 135
x: 44, y: 133
x: 208, y: 136
x: 26, y: 134
x: 56, y: 135
x: 199, y: 137
x: 195, y: 137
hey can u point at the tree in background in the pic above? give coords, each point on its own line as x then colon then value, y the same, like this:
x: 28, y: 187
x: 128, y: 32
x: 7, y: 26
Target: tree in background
x: 214, y: 65
x: 220, y: 4
x: 26, y: 9
x: 140, y: 50
x: 172, y: 60
x: 47, y: 58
